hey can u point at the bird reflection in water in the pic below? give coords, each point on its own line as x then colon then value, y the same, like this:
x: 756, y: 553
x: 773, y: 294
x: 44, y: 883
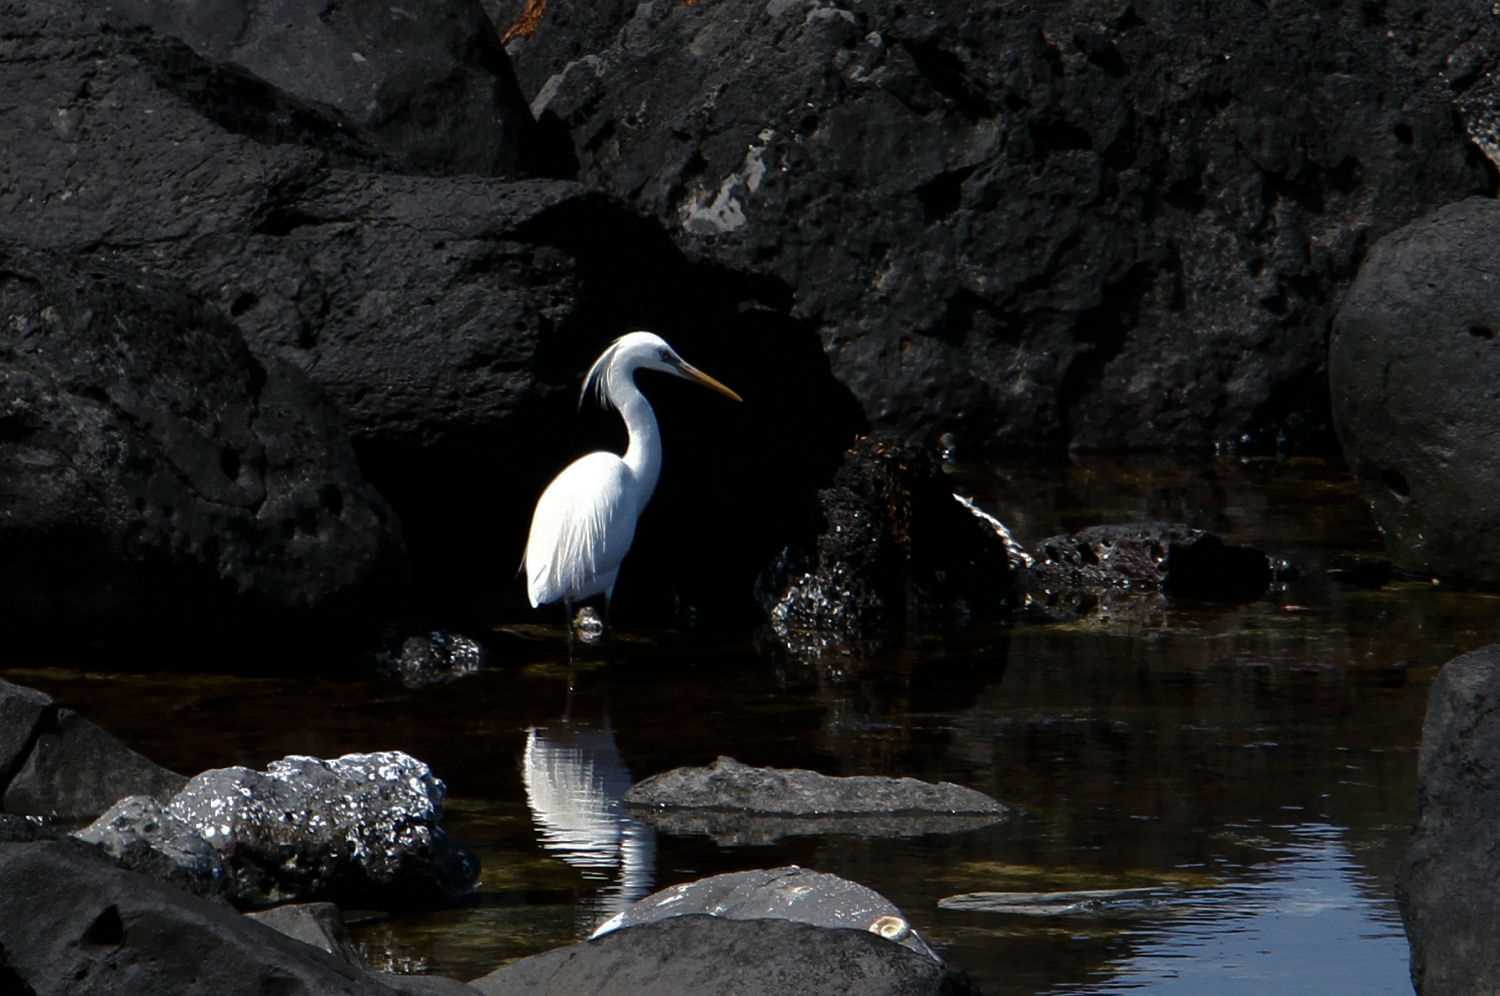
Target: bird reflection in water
x: 575, y: 780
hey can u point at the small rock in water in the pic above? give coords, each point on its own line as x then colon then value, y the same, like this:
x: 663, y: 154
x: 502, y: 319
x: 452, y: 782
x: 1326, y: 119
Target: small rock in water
x: 362, y: 827
x: 728, y: 784
x: 588, y: 626
x: 432, y: 659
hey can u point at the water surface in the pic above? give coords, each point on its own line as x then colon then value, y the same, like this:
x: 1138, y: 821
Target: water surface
x: 1255, y: 763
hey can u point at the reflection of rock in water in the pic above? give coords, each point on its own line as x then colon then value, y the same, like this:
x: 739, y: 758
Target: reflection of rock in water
x: 575, y: 780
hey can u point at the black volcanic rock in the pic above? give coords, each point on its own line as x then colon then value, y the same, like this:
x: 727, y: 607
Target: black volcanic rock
x: 688, y: 956
x: 894, y: 551
x: 1117, y: 226
x: 428, y: 87
x: 1445, y: 885
x: 74, y: 923
x: 450, y: 318
x: 1413, y: 366
x: 161, y: 479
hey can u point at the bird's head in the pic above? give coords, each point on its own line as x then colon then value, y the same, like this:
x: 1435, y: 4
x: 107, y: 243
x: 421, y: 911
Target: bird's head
x: 643, y: 351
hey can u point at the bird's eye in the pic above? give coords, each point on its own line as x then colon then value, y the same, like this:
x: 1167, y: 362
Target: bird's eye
x: 666, y: 356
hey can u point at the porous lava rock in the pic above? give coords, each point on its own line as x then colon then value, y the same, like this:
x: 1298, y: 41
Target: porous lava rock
x: 1038, y: 226
x: 159, y: 478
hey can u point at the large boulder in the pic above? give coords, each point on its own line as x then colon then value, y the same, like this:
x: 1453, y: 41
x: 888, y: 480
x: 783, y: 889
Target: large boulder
x: 362, y: 827
x: 427, y: 86
x: 1448, y: 885
x: 705, y: 954
x: 1035, y: 225
x: 56, y: 764
x: 161, y: 479
x: 71, y: 922
x: 1413, y: 365
x: 449, y: 318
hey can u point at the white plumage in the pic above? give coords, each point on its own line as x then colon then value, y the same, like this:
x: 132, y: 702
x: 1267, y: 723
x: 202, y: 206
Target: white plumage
x: 585, y: 520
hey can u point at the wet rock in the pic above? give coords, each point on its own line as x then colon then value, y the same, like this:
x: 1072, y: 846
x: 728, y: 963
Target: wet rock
x: 143, y: 836
x: 428, y: 87
x: 1412, y: 366
x: 691, y: 955
x: 359, y: 828
x: 432, y: 659
x: 318, y: 924
x: 1035, y: 227
x: 71, y: 769
x: 1105, y: 568
x: 164, y: 484
x: 729, y: 785
x: 789, y: 893
x: 895, y: 549
x: 75, y: 923
x: 1445, y: 882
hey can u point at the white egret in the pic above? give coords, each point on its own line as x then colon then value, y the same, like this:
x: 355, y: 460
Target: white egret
x: 585, y: 520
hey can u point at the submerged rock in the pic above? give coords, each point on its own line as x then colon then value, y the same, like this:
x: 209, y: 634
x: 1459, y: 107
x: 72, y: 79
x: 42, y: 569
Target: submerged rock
x: 695, y: 955
x: 362, y: 827
x: 1445, y: 884
x: 1109, y: 566
x: 895, y: 550
x: 141, y: 834
x: 438, y: 657
x: 55, y: 763
x: 1412, y: 366
x: 1083, y: 902
x: 789, y: 893
x: 75, y: 923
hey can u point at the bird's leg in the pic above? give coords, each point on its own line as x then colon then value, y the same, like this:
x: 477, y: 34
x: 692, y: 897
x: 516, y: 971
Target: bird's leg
x: 568, y: 627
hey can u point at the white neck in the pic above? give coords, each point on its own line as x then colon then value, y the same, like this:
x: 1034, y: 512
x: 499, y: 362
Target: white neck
x: 643, y: 455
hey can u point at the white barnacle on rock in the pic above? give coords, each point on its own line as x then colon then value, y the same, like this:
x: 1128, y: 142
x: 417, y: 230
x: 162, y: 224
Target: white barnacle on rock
x: 705, y: 212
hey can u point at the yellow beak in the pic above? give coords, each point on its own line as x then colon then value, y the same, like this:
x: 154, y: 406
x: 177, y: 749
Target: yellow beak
x: 693, y: 373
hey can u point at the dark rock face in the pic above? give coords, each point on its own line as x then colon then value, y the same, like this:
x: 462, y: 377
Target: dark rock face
x: 728, y: 784
x: 73, y: 923
x: 1445, y: 885
x: 363, y: 827
x: 55, y: 763
x: 702, y: 954
x: 789, y: 893
x: 894, y: 549
x: 451, y: 319
x: 142, y: 835
x: 429, y: 87
x: 1094, y: 227
x: 159, y: 478
x: 1412, y: 365
x: 1108, y: 567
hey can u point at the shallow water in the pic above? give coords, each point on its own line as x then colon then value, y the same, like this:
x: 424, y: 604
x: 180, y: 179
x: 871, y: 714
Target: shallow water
x: 1254, y: 763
